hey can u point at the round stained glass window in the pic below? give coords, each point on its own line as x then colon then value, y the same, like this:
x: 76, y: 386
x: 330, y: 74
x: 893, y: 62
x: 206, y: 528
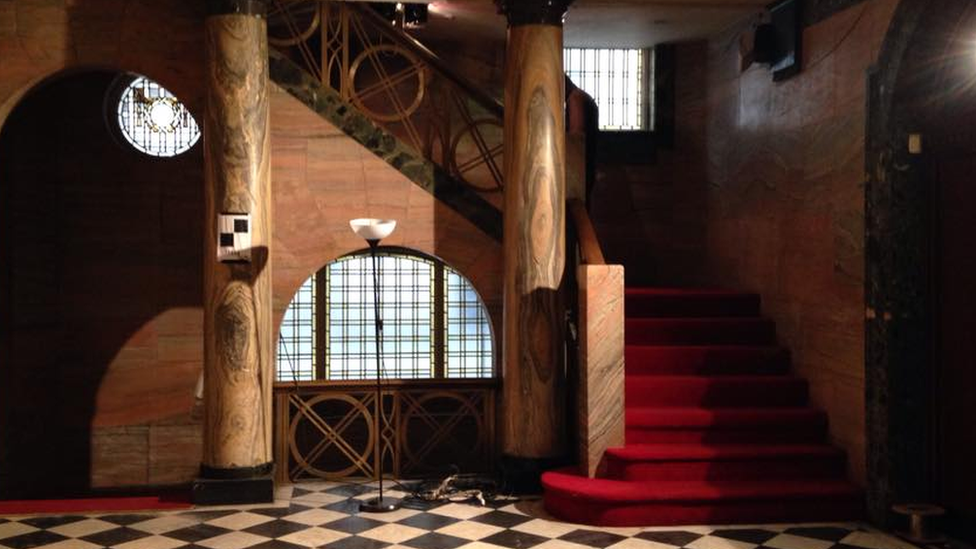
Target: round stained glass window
x: 154, y: 121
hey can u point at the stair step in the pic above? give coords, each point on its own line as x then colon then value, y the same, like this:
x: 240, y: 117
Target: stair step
x: 677, y: 302
x: 711, y: 360
x: 715, y: 391
x: 724, y: 425
x: 725, y: 462
x: 700, y: 331
x: 717, y: 431
x: 606, y: 502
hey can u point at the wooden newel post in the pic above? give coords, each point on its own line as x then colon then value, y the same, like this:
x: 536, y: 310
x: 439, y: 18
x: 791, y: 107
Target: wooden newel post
x: 238, y: 335
x: 533, y: 398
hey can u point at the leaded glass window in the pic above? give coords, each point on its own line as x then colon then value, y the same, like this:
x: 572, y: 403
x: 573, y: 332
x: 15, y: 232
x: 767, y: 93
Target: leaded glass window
x: 296, y: 338
x: 434, y: 323
x: 406, y: 311
x: 468, y: 330
x: 154, y: 121
x: 615, y: 80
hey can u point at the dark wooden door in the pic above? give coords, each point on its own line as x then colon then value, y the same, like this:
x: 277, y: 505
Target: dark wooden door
x: 955, y: 397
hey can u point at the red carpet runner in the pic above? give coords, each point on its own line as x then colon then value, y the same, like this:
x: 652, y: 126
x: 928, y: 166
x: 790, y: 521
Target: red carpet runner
x: 718, y: 431
x: 95, y: 505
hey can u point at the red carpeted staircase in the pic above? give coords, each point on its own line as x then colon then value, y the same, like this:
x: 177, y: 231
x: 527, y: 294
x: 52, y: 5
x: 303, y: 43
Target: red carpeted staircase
x: 717, y: 430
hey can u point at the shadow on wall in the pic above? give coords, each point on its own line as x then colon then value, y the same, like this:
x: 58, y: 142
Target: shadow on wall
x: 101, y: 297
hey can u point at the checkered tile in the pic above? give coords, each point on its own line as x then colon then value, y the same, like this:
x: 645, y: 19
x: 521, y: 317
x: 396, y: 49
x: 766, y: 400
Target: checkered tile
x: 326, y: 515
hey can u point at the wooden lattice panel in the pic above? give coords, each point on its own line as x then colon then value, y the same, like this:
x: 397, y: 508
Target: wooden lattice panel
x: 328, y: 432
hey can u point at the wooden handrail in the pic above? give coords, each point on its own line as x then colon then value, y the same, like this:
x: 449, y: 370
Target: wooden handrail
x: 489, y: 103
x: 589, y: 245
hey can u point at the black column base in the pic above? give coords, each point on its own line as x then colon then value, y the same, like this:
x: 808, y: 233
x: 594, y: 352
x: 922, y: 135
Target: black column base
x: 234, y: 486
x: 523, y: 476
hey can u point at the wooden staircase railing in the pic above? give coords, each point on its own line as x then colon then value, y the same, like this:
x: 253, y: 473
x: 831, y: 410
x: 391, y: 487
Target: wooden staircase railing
x: 399, y: 84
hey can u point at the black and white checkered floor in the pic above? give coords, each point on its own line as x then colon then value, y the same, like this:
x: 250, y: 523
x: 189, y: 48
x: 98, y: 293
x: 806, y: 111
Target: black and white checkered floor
x: 326, y: 515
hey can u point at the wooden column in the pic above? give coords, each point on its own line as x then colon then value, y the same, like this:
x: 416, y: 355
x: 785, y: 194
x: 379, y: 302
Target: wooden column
x: 238, y: 342
x: 533, y: 397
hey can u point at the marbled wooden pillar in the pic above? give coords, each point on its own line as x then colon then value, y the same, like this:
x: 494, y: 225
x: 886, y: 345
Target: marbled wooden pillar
x: 533, y: 396
x: 238, y: 342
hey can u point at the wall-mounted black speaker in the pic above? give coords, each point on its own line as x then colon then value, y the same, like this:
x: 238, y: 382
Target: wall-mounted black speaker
x: 765, y: 48
x: 786, y: 17
x: 778, y: 43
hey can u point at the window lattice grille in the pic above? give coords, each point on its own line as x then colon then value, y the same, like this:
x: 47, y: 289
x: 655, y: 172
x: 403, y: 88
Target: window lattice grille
x: 468, y: 330
x: 296, y: 340
x: 405, y: 286
x: 328, y: 331
x: 614, y: 78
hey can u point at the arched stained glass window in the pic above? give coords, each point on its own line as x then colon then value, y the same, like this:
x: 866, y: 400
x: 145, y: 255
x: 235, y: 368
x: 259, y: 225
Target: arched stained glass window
x: 154, y: 121
x: 434, y: 323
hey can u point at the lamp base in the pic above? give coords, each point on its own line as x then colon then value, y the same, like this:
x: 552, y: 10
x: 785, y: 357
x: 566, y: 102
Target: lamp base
x: 379, y: 505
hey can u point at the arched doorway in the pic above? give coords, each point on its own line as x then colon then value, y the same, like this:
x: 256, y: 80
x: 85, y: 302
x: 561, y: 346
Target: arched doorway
x: 921, y: 266
x: 100, y: 302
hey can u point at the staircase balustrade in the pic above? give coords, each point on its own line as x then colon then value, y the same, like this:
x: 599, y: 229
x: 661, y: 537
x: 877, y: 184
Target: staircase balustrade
x: 399, y: 84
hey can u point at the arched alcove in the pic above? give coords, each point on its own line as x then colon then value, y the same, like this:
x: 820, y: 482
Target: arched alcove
x: 438, y: 370
x: 100, y: 307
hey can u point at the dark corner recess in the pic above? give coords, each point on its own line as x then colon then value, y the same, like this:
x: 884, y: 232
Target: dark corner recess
x: 523, y: 476
x: 634, y: 148
x: 257, y: 8
x: 533, y: 12
x: 665, y: 76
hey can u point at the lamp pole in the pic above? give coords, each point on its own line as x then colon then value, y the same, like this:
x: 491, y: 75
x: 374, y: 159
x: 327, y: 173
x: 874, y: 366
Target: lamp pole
x: 373, y: 231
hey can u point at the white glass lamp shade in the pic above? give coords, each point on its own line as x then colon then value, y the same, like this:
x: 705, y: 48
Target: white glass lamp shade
x: 372, y: 229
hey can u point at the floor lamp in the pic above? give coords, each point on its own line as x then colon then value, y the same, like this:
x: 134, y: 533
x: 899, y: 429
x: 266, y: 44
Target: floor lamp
x: 374, y: 230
